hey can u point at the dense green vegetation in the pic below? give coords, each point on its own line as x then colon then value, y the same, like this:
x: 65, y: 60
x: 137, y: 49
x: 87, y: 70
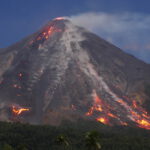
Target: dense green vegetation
x: 82, y: 135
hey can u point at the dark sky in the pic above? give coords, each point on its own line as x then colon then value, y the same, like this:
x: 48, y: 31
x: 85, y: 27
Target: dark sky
x: 18, y: 18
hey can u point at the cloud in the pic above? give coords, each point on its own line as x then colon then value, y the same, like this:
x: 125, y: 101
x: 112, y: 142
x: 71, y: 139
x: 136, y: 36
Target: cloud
x: 129, y: 31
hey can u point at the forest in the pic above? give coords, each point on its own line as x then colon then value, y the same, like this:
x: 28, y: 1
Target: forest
x: 80, y: 135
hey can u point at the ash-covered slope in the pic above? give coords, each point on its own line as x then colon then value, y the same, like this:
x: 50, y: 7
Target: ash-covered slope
x: 65, y: 72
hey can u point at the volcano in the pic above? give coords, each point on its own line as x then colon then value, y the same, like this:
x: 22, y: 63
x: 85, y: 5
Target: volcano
x: 65, y: 72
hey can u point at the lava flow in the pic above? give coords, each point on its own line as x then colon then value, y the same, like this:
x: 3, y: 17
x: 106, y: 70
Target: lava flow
x: 48, y: 32
x: 102, y: 120
x: 137, y: 114
x: 133, y: 112
x: 18, y: 110
x: 102, y: 108
x: 96, y: 107
x: 140, y: 116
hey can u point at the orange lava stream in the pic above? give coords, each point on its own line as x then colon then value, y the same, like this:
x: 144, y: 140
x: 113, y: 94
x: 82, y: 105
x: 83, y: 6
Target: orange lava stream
x: 140, y: 116
x: 47, y: 33
x: 100, y: 106
x: 144, y: 124
x: 137, y: 114
x: 90, y: 112
x: 18, y: 111
x: 102, y: 120
x: 111, y: 115
x: 96, y: 107
x: 134, y: 113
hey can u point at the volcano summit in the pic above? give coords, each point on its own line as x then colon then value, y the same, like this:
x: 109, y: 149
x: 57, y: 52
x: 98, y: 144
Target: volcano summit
x: 64, y: 72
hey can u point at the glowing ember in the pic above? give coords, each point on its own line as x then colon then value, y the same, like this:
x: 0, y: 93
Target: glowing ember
x: 102, y: 120
x: 144, y: 122
x: 134, y: 104
x: 111, y: 115
x: 97, y: 106
x: 18, y: 111
x: 20, y: 74
x: 145, y: 116
x: 135, y: 114
x: 90, y: 112
x: 16, y: 86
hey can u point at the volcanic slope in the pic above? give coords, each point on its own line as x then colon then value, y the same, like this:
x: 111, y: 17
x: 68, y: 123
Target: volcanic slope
x: 66, y: 72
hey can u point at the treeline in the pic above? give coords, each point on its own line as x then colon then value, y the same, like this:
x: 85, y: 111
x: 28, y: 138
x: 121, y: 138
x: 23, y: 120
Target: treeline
x: 82, y: 135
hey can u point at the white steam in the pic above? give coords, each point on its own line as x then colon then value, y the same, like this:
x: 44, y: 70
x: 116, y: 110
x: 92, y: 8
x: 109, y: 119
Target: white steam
x: 130, y: 31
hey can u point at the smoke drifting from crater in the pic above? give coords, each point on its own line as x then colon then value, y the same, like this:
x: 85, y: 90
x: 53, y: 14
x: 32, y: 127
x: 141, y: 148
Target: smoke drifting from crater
x: 129, y: 31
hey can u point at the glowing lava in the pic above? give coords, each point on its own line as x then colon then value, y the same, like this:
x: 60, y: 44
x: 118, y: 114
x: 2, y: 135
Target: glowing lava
x: 20, y: 75
x: 46, y: 33
x: 18, y: 111
x: 102, y: 108
x: 133, y: 112
x: 137, y: 114
x: 134, y: 104
x: 96, y: 107
x: 111, y: 115
x: 144, y: 124
x: 90, y: 112
x: 102, y: 120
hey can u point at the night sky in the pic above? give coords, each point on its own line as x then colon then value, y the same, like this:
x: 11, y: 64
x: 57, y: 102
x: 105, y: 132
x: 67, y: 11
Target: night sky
x: 130, y: 20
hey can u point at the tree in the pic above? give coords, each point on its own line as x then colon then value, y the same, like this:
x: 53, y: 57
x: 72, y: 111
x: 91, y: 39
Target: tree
x: 7, y: 147
x: 63, y: 141
x: 22, y: 147
x: 92, y: 140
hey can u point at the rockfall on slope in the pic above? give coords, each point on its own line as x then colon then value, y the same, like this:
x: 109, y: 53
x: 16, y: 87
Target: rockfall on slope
x: 66, y: 72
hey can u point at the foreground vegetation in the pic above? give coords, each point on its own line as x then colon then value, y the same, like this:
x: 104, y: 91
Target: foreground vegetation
x: 82, y: 135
